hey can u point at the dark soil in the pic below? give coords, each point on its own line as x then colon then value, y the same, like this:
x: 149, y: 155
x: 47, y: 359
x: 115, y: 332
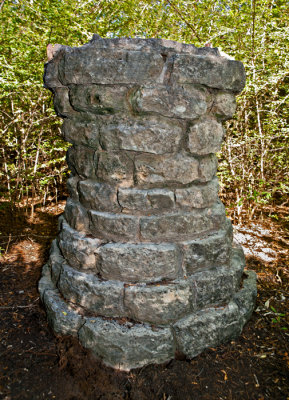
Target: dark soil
x: 34, y: 364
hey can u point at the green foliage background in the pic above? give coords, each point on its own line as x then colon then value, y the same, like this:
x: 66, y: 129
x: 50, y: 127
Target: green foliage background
x: 253, y: 162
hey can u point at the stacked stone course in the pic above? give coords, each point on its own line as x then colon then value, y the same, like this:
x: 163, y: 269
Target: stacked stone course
x: 144, y: 265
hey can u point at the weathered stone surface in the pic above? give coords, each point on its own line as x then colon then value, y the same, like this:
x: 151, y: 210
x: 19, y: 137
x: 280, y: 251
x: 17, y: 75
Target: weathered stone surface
x: 98, y: 196
x: 182, y: 102
x: 61, y: 102
x: 78, y: 249
x: 207, y: 328
x: 214, y: 286
x: 198, y: 196
x: 158, y: 304
x: 207, y: 168
x: 127, y: 346
x: 115, y: 227
x: 146, y: 200
x: 151, y: 134
x: 205, y: 136
x: 211, y: 251
x: 82, y: 161
x: 86, y: 290
x: 45, y: 282
x: 144, y: 238
x: 71, y: 185
x: 160, y: 170
x: 215, y: 72
x: 61, y: 317
x: 224, y: 105
x: 76, y: 216
x: 55, y: 261
x: 115, y: 168
x: 179, y: 226
x: 139, y: 262
x: 81, y: 132
x: 246, y: 297
x: 99, y: 99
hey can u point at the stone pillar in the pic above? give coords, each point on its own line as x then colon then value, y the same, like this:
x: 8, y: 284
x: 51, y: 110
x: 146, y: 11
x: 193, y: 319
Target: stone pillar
x: 144, y: 264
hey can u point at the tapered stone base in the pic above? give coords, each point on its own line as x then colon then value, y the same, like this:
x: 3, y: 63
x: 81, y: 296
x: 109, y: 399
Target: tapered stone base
x: 148, y: 323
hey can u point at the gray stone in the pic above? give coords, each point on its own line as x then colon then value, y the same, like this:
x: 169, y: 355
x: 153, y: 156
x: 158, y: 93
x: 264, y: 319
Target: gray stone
x: 146, y: 200
x: 160, y: 170
x: 198, y: 196
x: 99, y: 99
x: 224, y: 105
x: 81, y: 132
x: 98, y: 196
x: 207, y: 168
x: 158, y: 304
x: 181, y: 225
x: 115, y: 227
x: 207, y: 328
x: 55, y: 261
x: 139, y: 262
x: 82, y: 161
x: 127, y: 346
x: 104, y: 298
x: 171, y: 101
x: 205, y: 136
x: 214, y: 286
x: 45, y: 282
x: 212, y: 71
x: 151, y: 134
x: 61, y: 102
x: 71, y: 184
x: 89, y: 64
x: 211, y: 251
x: 76, y: 216
x: 78, y: 249
x: 246, y: 297
x: 63, y: 319
x: 115, y: 168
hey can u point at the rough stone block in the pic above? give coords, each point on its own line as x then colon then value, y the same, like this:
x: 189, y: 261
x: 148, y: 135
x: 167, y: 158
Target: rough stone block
x: 215, y: 72
x: 207, y: 328
x: 45, y: 282
x: 86, y: 290
x: 115, y: 168
x: 214, y: 286
x: 208, y: 252
x: 76, y: 216
x: 182, y: 225
x: 171, y: 102
x: 224, y: 105
x: 207, y: 168
x: 78, y: 249
x: 98, y: 196
x: 159, y: 304
x: 71, y: 185
x: 99, y: 99
x: 151, y: 134
x: 139, y: 262
x: 146, y: 200
x: 246, y: 297
x: 61, y: 102
x: 205, y: 136
x: 198, y: 196
x: 85, y: 133
x: 160, y: 170
x: 127, y: 346
x: 63, y: 319
x: 55, y: 261
x: 82, y: 161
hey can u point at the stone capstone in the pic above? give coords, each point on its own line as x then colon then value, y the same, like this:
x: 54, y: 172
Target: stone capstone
x: 144, y: 264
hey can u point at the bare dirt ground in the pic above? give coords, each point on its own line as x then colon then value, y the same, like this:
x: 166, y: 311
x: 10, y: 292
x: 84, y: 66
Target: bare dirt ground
x: 34, y: 364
